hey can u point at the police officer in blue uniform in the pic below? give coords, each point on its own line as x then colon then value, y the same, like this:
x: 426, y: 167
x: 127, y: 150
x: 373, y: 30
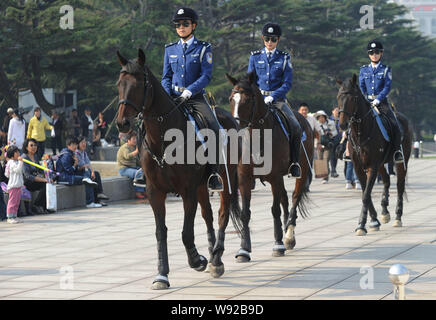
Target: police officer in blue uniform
x: 187, y: 70
x: 375, y: 81
x: 274, y: 79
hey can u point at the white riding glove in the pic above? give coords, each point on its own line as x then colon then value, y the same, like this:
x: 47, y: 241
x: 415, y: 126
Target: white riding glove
x: 186, y: 94
x: 269, y: 99
x: 376, y: 102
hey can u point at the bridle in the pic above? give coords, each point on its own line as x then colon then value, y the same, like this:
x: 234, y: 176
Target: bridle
x: 146, y: 104
x: 251, y: 122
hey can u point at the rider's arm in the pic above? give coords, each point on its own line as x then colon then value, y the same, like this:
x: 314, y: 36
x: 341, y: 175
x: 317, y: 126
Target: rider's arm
x: 251, y: 67
x: 167, y: 74
x: 362, y: 83
x: 205, y: 73
x: 280, y: 93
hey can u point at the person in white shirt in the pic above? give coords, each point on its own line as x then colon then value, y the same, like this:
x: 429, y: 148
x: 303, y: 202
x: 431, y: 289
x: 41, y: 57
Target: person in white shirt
x: 328, y: 131
x: 14, y: 172
x: 16, y: 130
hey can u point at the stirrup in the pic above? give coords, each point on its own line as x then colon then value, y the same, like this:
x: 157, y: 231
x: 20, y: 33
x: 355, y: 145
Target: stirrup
x: 219, y: 179
x: 290, y: 167
x: 402, y: 156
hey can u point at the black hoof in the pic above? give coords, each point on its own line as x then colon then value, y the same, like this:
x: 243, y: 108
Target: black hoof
x: 201, y: 265
x: 278, y: 253
x: 242, y: 259
x: 361, y: 232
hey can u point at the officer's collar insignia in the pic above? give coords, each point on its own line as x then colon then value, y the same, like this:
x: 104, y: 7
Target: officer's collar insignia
x: 181, y: 11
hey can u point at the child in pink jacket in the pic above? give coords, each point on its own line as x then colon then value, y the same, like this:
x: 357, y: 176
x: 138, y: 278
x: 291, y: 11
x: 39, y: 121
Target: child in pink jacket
x: 14, y: 171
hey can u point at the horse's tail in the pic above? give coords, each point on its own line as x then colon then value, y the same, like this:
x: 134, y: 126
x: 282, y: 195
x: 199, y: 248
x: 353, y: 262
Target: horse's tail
x: 235, y: 208
x: 303, y: 200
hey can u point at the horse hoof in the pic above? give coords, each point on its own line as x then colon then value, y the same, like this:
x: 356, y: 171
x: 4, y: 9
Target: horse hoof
x: 278, y: 253
x: 217, y: 271
x: 158, y: 285
x: 360, y: 232
x: 290, y: 243
x: 385, y: 218
x: 242, y: 259
x: 202, y: 266
x: 374, y: 228
x: 398, y: 224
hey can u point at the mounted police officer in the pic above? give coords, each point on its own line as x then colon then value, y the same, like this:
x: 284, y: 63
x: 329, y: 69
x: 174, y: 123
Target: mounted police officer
x: 375, y: 81
x: 187, y: 70
x: 274, y: 79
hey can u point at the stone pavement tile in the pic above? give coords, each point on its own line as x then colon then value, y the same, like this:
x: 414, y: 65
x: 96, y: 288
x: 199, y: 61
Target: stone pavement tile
x: 175, y: 296
x: 287, y: 288
x: 352, y: 291
x: 379, y: 274
x: 25, y: 285
x: 50, y: 294
x: 104, y: 279
x: 83, y: 286
x: 323, y: 275
x: 4, y: 292
x: 212, y: 288
x: 105, y: 295
x: 260, y: 298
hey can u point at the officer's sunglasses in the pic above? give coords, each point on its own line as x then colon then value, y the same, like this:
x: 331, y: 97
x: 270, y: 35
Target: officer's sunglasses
x: 268, y: 39
x: 372, y: 52
x: 185, y: 24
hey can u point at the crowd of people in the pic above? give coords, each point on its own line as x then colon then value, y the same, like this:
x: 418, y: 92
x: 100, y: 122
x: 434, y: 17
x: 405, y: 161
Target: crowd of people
x: 328, y: 137
x: 23, y: 149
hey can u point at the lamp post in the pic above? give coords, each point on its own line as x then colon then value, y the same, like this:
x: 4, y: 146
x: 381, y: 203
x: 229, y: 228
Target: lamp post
x: 398, y: 274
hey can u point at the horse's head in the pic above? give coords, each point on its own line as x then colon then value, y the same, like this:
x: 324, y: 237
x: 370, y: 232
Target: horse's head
x: 348, y: 95
x: 131, y: 90
x: 243, y: 99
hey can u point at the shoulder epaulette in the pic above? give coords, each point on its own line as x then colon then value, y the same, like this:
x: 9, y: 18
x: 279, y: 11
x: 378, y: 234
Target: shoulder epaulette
x: 204, y: 43
x: 253, y: 53
x: 364, y: 66
x: 283, y: 52
x: 170, y: 44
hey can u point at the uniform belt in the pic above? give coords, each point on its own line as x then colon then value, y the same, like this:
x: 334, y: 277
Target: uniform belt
x: 371, y: 97
x: 266, y: 93
x: 179, y: 89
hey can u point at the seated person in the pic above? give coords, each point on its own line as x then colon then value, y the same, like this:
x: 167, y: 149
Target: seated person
x: 85, y: 169
x: 129, y: 166
x: 34, y: 178
x: 67, y: 166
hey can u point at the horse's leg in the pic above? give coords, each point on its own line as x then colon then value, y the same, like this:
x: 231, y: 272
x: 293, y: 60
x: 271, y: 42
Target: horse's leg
x: 385, y: 216
x: 277, y: 187
x: 401, y: 183
x: 157, y: 202
x: 291, y: 223
x: 245, y: 185
x: 207, y: 214
x: 217, y: 266
x: 371, y: 175
x: 195, y: 260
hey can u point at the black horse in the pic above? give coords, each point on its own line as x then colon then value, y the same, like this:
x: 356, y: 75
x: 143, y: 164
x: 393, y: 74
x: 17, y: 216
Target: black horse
x: 370, y: 151
x: 141, y: 93
x: 248, y: 106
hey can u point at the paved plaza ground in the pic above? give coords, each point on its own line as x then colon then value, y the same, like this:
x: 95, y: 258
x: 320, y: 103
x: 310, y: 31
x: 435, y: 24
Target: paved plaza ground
x: 110, y: 252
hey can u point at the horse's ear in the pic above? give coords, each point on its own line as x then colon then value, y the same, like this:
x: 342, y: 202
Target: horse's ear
x: 339, y: 82
x: 141, y: 57
x: 232, y: 80
x: 123, y: 61
x: 354, y: 79
x: 252, y: 77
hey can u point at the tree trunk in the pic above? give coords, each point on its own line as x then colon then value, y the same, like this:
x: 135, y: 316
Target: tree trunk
x: 5, y: 89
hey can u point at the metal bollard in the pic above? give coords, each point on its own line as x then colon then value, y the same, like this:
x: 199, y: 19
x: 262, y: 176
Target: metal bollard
x: 398, y: 274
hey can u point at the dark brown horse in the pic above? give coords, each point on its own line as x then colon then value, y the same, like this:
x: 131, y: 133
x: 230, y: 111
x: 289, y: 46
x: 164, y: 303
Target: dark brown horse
x: 370, y: 151
x: 248, y: 106
x: 141, y: 93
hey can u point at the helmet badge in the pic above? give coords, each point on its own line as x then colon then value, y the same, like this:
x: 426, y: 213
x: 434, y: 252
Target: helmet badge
x: 270, y: 30
x: 181, y: 11
x: 373, y: 45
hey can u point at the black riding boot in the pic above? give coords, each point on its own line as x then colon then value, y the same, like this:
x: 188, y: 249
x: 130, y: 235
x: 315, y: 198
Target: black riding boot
x: 396, y: 139
x: 294, y: 139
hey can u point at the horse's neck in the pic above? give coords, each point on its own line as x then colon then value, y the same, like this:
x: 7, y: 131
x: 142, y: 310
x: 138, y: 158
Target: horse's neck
x: 363, y: 109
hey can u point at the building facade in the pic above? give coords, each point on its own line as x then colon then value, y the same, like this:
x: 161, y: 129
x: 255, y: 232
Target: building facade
x: 423, y: 12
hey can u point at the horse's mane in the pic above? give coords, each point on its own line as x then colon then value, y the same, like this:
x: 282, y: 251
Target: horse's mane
x: 245, y: 84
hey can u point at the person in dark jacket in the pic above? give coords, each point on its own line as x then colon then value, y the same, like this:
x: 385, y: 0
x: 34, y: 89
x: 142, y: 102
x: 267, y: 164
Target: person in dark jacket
x: 34, y: 179
x: 67, y: 166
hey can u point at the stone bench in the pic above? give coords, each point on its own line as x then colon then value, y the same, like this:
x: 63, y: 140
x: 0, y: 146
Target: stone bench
x: 116, y: 188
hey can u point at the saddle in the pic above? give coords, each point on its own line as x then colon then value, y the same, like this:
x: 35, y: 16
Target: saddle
x: 387, y: 127
x: 282, y: 121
